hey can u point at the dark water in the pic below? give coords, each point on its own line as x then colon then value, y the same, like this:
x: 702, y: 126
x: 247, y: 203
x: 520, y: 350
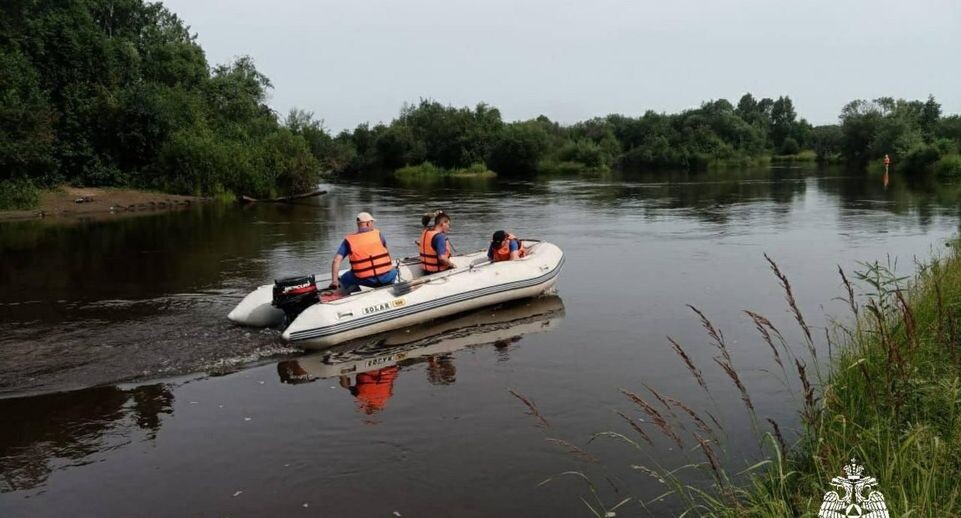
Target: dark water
x: 188, y: 415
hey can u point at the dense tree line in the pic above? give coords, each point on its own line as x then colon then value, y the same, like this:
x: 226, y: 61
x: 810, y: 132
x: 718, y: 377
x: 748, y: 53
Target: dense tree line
x: 118, y: 92
x: 456, y: 138
x: 912, y: 132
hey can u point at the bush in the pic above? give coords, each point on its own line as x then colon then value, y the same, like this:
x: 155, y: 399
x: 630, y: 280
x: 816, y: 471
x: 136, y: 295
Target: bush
x: 477, y: 169
x: 920, y: 158
x: 790, y: 147
x: 18, y: 194
x: 286, y: 161
x: 949, y: 165
x: 424, y: 169
x: 519, y: 149
x: 196, y: 162
x: 584, y: 152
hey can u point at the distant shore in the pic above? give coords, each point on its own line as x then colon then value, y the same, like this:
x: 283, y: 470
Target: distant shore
x: 93, y: 202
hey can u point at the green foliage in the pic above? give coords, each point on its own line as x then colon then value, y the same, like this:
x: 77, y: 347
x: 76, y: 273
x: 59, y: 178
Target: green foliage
x: 288, y: 162
x: 120, y: 93
x: 790, y: 146
x: 782, y: 120
x: 949, y: 165
x: 423, y: 169
x: 912, y: 133
x: 18, y: 194
x: 26, y: 130
x: 429, y: 170
x: 584, y: 152
x: 827, y: 141
x: 519, y: 148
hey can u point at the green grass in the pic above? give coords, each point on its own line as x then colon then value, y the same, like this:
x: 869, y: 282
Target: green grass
x: 807, y: 155
x: 948, y: 165
x: 891, y: 399
x: 18, y: 195
x: 428, y: 169
x: 887, y: 395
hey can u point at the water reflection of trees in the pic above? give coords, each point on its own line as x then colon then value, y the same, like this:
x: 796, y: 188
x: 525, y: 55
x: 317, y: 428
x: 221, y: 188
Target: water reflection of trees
x: 924, y: 196
x: 42, y: 433
x: 142, y: 257
x: 722, y: 196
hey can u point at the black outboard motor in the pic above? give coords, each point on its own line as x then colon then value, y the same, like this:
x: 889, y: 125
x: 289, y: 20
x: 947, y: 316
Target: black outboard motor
x: 293, y: 295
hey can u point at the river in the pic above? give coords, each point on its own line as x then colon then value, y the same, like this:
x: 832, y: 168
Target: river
x: 125, y: 391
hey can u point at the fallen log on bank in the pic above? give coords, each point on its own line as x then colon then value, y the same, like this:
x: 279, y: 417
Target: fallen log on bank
x: 282, y: 199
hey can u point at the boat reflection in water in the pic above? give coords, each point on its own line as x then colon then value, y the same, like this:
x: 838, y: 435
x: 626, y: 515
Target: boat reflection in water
x: 368, y: 368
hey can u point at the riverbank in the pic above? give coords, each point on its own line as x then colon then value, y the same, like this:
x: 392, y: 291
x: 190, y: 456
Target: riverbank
x: 890, y: 401
x: 87, y: 202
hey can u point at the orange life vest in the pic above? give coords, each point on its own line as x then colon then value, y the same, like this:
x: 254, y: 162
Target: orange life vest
x: 429, y: 259
x: 368, y: 255
x: 504, y: 252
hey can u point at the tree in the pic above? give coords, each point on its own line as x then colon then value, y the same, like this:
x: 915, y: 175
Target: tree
x: 519, y: 148
x: 782, y: 120
x: 827, y: 141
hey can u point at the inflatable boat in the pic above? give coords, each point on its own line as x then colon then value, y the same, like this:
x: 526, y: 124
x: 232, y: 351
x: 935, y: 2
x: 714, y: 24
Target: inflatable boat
x: 500, y: 325
x: 474, y: 282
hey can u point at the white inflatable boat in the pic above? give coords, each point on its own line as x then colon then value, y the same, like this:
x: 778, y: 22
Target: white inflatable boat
x: 474, y: 282
x: 499, y: 325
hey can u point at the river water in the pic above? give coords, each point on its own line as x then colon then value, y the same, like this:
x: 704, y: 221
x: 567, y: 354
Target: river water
x: 124, y: 390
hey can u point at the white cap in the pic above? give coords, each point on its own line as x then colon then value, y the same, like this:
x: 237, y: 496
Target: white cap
x: 364, y: 216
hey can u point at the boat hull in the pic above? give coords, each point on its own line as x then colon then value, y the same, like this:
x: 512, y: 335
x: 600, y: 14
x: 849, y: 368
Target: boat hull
x: 472, y: 284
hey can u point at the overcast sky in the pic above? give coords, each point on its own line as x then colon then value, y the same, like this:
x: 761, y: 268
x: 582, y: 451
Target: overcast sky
x: 351, y: 61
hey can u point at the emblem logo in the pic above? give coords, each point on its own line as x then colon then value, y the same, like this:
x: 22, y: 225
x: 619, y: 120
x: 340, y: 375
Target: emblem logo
x: 853, y: 504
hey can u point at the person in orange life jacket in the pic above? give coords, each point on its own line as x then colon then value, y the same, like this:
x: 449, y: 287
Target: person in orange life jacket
x: 505, y: 247
x: 370, y: 262
x: 427, y: 221
x: 435, y: 247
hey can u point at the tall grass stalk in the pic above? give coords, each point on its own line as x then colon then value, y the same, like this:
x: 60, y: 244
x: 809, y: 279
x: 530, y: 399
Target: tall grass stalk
x: 889, y: 396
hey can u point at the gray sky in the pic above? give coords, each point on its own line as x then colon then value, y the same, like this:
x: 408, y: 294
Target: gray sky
x: 351, y: 61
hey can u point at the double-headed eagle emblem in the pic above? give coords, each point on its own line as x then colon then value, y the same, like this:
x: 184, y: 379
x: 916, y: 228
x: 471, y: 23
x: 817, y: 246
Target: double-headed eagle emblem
x: 853, y: 504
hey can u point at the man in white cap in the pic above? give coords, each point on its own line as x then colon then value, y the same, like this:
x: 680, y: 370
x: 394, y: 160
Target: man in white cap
x: 370, y: 262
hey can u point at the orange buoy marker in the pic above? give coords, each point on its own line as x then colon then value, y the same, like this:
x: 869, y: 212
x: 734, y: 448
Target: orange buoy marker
x: 887, y: 164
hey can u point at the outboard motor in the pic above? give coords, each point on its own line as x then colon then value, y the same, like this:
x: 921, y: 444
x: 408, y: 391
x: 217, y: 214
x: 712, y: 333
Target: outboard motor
x: 293, y: 295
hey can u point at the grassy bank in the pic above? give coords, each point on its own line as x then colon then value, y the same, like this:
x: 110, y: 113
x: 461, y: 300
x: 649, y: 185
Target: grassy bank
x: 889, y: 397
x: 884, y: 390
x: 891, y: 400
x: 429, y: 170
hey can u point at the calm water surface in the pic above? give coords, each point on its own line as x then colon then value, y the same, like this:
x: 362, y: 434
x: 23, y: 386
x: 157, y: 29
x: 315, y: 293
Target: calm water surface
x: 124, y: 390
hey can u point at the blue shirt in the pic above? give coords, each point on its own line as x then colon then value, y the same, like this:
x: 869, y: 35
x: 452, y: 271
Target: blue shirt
x: 344, y: 250
x: 513, y: 246
x: 439, y: 243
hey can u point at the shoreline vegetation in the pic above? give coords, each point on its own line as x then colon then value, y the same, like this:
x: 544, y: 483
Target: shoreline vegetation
x: 889, y: 398
x: 886, y: 392
x: 121, y: 95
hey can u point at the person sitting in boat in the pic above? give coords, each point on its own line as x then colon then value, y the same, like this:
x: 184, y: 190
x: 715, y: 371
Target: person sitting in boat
x: 427, y: 221
x: 370, y: 262
x: 505, y: 247
x: 435, y: 247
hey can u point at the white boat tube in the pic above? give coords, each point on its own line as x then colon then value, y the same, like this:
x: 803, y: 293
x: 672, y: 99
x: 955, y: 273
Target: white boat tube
x: 474, y: 282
